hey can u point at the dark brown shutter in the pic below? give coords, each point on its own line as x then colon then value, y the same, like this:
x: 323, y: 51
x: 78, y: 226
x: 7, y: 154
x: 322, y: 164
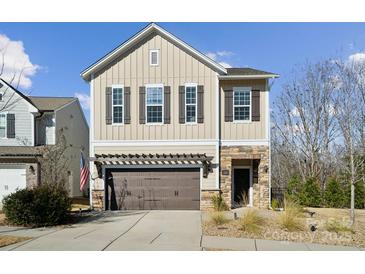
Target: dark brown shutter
x: 142, y: 105
x: 167, y: 96
x: 200, y: 104
x: 10, y: 125
x: 228, y: 105
x: 255, y: 105
x: 127, y: 105
x: 182, y: 104
x: 108, y: 106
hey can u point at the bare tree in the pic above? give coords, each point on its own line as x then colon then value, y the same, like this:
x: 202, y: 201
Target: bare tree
x: 55, y: 162
x: 349, y: 113
x: 303, y: 121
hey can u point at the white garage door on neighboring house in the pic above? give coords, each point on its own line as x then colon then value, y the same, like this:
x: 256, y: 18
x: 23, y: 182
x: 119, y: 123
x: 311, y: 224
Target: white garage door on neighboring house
x: 11, y: 178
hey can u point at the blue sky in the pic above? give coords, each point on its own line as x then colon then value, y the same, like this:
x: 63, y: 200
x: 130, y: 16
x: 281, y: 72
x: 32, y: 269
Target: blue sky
x: 58, y: 52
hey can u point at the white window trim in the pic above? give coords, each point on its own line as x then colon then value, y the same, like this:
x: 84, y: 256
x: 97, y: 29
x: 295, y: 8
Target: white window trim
x: 250, y: 106
x: 163, y: 103
x: 6, y: 124
x: 122, y: 105
x: 196, y: 104
x: 158, y: 57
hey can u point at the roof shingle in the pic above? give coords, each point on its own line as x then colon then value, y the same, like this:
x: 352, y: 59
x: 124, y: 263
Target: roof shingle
x: 50, y: 103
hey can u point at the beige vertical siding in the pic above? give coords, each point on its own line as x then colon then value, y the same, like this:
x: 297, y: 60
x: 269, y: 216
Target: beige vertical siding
x: 245, y: 131
x: 176, y: 67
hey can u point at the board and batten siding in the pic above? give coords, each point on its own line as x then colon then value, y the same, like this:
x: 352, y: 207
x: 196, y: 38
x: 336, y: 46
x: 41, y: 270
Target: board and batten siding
x: 208, y: 183
x: 13, y: 103
x: 255, y: 130
x: 133, y: 70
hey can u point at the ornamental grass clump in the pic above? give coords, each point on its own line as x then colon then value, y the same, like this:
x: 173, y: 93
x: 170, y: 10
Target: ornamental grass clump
x: 333, y: 225
x: 251, y: 221
x: 218, y: 218
x: 218, y: 203
x: 291, y: 218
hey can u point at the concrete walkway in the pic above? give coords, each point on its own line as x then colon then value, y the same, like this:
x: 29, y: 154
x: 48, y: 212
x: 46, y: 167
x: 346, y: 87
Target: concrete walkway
x: 135, y: 230
x: 241, y: 244
x: 144, y: 230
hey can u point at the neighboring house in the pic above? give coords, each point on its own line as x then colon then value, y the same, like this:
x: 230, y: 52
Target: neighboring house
x: 171, y: 127
x: 28, y: 124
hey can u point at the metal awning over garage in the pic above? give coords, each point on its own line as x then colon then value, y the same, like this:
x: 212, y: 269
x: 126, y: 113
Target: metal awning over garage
x: 154, y: 159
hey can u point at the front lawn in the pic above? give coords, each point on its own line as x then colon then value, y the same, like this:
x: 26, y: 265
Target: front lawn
x: 9, y: 240
x: 331, y: 226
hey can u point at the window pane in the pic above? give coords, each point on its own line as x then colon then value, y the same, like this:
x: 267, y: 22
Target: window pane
x: 154, y: 57
x: 242, y: 113
x: 154, y: 95
x: 154, y: 114
x: 117, y: 96
x: 190, y: 114
x: 2, y: 132
x: 117, y: 114
x: 241, y: 98
x: 190, y: 95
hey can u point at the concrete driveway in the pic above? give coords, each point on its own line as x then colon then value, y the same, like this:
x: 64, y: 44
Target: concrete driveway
x: 133, y: 230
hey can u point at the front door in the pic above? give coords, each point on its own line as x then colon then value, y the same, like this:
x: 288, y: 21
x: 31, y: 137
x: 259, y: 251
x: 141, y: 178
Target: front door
x: 241, y: 187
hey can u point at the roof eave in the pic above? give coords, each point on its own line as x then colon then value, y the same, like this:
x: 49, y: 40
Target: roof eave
x: 258, y: 76
x: 85, y: 74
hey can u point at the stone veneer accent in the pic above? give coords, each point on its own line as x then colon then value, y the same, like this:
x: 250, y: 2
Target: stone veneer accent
x: 260, y: 181
x: 206, y: 198
x: 98, y: 199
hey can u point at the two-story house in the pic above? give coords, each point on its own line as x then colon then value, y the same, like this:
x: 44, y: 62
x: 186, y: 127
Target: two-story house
x: 171, y: 127
x: 27, y: 125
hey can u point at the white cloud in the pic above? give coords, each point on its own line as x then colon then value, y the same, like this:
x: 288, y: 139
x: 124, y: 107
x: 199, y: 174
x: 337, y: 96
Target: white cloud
x: 84, y: 99
x: 16, y: 62
x: 225, y: 64
x: 295, y: 112
x: 357, y: 58
x: 217, y: 56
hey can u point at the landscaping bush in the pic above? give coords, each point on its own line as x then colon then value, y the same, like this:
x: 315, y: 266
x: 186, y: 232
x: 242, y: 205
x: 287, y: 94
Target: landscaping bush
x: 275, y: 204
x: 290, y: 218
x: 219, y: 218
x: 336, y: 226
x: 251, y: 221
x: 334, y: 194
x: 42, y: 206
x: 218, y: 203
x: 359, y: 195
x: 310, y: 194
x: 294, y: 187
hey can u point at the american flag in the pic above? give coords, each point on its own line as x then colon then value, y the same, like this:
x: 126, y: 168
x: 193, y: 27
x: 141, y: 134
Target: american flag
x: 84, y: 172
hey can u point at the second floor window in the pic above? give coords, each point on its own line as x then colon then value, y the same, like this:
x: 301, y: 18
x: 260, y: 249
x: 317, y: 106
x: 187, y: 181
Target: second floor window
x: 242, y: 104
x: 190, y: 103
x: 118, y: 105
x: 2, y: 125
x: 154, y: 103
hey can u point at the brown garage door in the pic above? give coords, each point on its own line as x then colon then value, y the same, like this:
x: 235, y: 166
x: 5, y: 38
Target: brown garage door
x: 153, y: 189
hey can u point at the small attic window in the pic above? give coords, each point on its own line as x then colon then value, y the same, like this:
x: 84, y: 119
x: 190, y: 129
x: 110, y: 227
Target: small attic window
x: 154, y: 55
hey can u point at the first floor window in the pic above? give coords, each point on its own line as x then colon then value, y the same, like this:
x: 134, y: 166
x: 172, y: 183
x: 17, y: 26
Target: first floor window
x: 241, y: 104
x: 190, y: 103
x: 2, y: 125
x: 154, y: 103
x: 118, y: 105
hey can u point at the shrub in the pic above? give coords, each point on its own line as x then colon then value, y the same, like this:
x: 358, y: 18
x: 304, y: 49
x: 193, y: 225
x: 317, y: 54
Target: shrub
x: 294, y: 187
x: 42, y: 206
x: 336, y: 226
x: 359, y: 195
x: 251, y: 221
x: 290, y: 218
x: 218, y: 203
x: 334, y: 194
x: 310, y: 194
x: 219, y: 218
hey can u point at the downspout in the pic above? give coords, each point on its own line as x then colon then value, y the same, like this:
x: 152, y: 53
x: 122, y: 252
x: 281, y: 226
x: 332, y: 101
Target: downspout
x: 91, y: 138
x: 269, y: 137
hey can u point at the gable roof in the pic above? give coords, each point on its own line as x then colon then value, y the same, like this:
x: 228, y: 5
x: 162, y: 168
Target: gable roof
x: 50, y: 103
x: 85, y: 74
x: 26, y: 98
